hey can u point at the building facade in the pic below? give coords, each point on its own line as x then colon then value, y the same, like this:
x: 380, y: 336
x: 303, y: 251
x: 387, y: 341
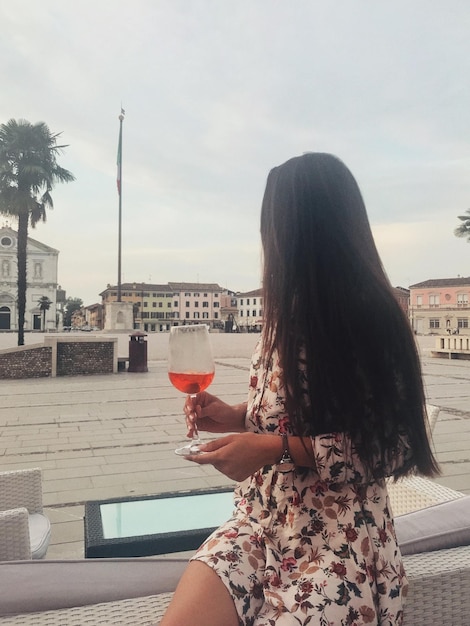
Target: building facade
x: 158, y: 307
x: 250, y: 310
x: 41, y: 279
x: 402, y: 296
x: 440, y: 306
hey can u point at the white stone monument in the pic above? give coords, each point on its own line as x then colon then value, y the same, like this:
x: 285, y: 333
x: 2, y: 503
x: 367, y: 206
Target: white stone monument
x: 119, y: 317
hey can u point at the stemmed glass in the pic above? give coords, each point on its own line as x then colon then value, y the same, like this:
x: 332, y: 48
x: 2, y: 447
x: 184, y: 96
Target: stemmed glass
x: 190, y: 368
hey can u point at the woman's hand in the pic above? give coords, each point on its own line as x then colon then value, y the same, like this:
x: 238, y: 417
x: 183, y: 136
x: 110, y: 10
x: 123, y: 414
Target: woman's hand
x: 239, y: 455
x: 213, y: 415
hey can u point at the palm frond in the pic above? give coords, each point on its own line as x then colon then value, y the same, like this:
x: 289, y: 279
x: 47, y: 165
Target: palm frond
x: 463, y: 230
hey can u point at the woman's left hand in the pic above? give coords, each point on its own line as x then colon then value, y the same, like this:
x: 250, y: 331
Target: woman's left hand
x: 239, y: 455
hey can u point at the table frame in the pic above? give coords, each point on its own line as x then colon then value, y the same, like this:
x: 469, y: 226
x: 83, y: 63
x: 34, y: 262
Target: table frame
x: 97, y: 546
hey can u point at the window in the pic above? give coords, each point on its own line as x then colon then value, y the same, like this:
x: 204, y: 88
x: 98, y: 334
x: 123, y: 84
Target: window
x: 196, y: 315
x: 254, y: 312
x: 154, y: 295
x: 5, y: 269
x: 187, y: 315
x: 175, y: 304
x: 462, y: 299
x: 241, y: 302
x: 434, y: 300
x: 434, y: 323
x: 187, y: 294
x: 419, y: 301
x: 168, y: 305
x: 38, y: 270
x: 216, y: 295
x: 187, y: 304
x: 146, y: 304
x: 154, y: 305
x: 205, y: 315
x: 216, y: 304
x: 196, y: 295
x: 248, y: 300
x: 241, y: 313
x: 145, y: 315
x: 205, y: 304
x: 205, y: 295
x: 216, y: 316
x: 248, y: 313
x: 254, y: 300
x: 462, y: 322
x: 160, y: 305
x: 196, y: 304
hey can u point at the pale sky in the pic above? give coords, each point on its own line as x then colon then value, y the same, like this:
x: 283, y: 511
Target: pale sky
x: 216, y: 93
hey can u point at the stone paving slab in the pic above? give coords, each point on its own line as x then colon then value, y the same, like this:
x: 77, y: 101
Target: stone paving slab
x: 105, y: 436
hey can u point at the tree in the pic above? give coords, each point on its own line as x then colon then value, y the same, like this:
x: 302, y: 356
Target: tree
x: 463, y: 230
x: 44, y: 305
x: 28, y: 173
x: 71, y: 305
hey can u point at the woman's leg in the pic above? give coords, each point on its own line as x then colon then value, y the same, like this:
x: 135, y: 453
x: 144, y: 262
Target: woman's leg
x: 201, y: 599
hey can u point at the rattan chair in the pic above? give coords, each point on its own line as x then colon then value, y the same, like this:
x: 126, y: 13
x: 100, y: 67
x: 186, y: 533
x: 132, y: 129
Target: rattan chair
x: 25, y: 531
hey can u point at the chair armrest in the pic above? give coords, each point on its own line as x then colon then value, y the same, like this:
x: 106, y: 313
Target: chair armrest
x: 21, y: 488
x: 439, y: 583
x: 415, y: 492
x: 14, y: 535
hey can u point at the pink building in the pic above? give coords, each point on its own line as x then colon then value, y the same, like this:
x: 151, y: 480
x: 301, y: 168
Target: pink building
x: 440, y: 306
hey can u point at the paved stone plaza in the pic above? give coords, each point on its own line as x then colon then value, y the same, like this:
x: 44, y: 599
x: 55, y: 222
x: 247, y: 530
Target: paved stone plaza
x: 99, y: 437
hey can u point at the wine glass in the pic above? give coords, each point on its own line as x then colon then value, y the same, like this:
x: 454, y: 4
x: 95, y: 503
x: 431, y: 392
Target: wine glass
x: 190, y: 368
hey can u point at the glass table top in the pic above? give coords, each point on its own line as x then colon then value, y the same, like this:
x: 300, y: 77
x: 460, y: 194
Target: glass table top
x: 165, y: 515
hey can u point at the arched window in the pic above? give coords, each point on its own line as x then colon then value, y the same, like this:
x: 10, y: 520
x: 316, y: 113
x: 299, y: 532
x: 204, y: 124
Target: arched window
x: 5, y: 318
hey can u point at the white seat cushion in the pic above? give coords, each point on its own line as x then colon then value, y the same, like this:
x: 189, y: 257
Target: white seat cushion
x: 40, y: 534
x: 439, y: 527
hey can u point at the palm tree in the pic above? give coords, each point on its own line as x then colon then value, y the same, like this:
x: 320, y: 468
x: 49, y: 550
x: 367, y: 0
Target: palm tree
x: 28, y: 173
x: 71, y: 305
x: 464, y: 229
x: 44, y: 305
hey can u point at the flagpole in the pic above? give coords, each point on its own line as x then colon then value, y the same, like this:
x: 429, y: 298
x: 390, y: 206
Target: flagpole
x: 119, y: 185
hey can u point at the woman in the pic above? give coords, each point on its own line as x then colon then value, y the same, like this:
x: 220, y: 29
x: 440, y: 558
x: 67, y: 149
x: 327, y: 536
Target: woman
x: 335, y: 405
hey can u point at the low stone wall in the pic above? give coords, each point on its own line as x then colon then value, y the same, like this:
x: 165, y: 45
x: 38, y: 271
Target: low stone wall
x: 74, y: 358
x: 60, y: 356
x: 26, y: 362
x: 452, y: 347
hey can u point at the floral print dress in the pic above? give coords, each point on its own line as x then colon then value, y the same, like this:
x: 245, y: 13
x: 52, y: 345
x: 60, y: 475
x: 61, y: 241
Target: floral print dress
x: 309, y: 546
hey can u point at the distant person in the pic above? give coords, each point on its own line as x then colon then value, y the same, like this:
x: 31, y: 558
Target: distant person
x: 335, y: 405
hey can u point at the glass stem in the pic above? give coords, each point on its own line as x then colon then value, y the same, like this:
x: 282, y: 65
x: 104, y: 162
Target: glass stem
x: 196, y: 437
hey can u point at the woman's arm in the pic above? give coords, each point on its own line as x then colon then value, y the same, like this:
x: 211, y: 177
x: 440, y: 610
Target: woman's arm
x: 332, y: 456
x: 238, y: 456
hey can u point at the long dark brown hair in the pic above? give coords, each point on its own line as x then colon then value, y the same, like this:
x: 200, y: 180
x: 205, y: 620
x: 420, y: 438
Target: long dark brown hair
x: 328, y: 301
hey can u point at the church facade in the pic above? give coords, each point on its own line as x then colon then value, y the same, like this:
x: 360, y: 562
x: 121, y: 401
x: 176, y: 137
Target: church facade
x: 41, y: 277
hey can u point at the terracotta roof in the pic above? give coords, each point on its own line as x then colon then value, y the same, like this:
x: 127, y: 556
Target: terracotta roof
x: 442, y: 282
x: 138, y: 287
x: 247, y: 294
x: 195, y: 286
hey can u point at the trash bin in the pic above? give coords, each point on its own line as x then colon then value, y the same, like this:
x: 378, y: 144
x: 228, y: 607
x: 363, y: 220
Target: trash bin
x: 137, y: 352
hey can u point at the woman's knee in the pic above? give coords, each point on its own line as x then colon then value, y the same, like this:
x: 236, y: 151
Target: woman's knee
x: 201, y: 599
